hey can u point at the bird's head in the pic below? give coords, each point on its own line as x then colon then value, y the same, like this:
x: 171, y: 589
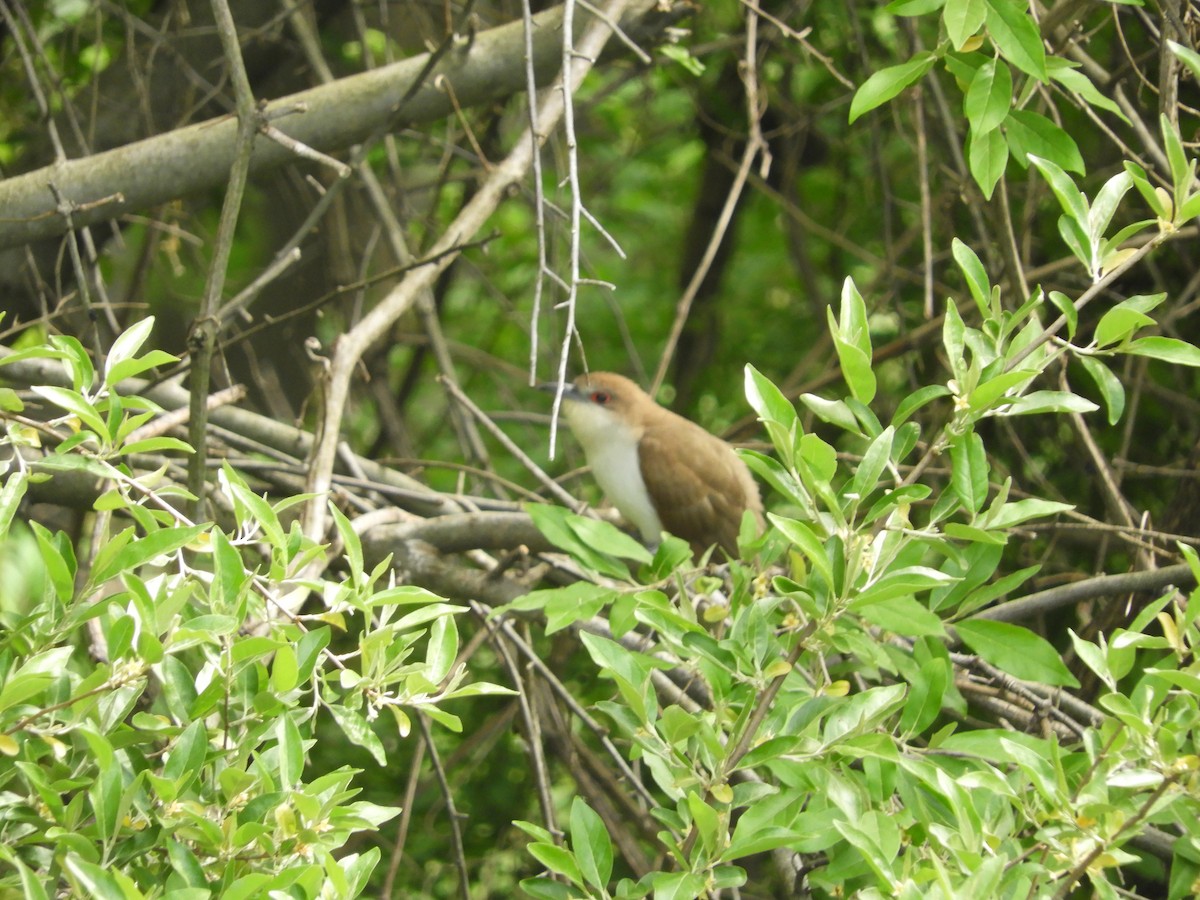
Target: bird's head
x: 600, y: 403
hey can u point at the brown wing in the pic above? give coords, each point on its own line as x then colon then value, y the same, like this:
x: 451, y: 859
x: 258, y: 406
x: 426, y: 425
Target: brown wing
x: 707, y: 488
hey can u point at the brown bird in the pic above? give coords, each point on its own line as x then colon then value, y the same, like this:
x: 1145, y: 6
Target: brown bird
x: 661, y: 471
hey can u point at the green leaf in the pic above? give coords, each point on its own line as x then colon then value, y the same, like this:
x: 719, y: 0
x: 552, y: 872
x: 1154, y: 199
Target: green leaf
x: 1094, y: 658
x: 874, y: 461
x: 963, y: 19
x: 1189, y: 209
x: 1188, y: 57
x: 157, y: 445
x: 11, y: 495
x: 290, y: 756
x: 554, y: 523
x: 573, y: 603
x: 862, y: 711
x: 887, y: 83
x: 284, y: 669
x: 557, y: 860
x: 1030, y: 134
x: 973, y: 271
x: 904, y: 615
x: 419, y: 617
x: 1068, y: 75
x: 852, y: 340
x: 31, y: 882
x: 953, y: 339
x: 93, y: 881
x: 987, y: 157
x: 1073, y: 203
x: 1048, y: 401
x: 1125, y: 318
x: 630, y: 670
x: 1171, y: 350
x: 989, y: 97
x: 995, y: 388
x: 969, y: 470
x: 252, y: 510
x: 706, y: 822
x: 1176, y: 157
x: 76, y: 359
x: 358, y: 730
x: 774, y: 410
x: 608, y: 538
x: 1105, y: 204
x: 127, y: 344
x: 1014, y: 513
x: 900, y: 583
x: 925, y: 694
x: 677, y: 885
x: 133, y: 555
x: 916, y: 400
x: 1075, y: 239
x: 543, y: 888
x: 1015, y: 650
x: 592, y: 846
x: 835, y: 412
x: 131, y: 367
x: 914, y: 7
x: 1067, y: 308
x: 1146, y: 189
x: 75, y: 404
x: 1109, y: 385
x: 1016, y: 36
x: 806, y: 540
x: 351, y: 545
x: 187, y: 755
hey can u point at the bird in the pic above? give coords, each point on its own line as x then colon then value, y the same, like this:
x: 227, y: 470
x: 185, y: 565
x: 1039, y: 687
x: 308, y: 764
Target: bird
x: 661, y: 471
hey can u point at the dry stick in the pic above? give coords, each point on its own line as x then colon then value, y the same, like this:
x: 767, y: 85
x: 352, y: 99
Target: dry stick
x: 926, y: 205
x: 460, y: 859
x: 1032, y: 605
x: 203, y: 338
x: 533, y: 726
x: 539, y: 201
x: 166, y: 422
x: 410, y: 794
x: 351, y: 346
x: 571, y: 286
x: 1010, y: 244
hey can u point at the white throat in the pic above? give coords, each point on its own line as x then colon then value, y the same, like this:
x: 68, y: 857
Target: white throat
x: 612, y: 452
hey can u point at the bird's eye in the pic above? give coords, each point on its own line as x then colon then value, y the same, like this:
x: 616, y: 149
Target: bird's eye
x: 601, y: 398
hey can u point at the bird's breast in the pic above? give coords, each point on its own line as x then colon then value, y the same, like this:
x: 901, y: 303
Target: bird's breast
x: 619, y: 474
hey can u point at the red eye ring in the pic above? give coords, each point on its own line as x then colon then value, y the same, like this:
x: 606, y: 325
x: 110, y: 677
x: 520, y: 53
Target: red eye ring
x: 601, y: 398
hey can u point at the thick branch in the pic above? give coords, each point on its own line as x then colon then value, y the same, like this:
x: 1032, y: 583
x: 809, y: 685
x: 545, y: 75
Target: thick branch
x: 326, y: 118
x: 1024, y: 608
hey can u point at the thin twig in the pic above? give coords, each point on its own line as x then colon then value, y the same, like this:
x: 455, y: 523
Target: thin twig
x: 203, y: 337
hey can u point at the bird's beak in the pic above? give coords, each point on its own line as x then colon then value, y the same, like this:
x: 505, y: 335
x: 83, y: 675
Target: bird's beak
x: 569, y: 391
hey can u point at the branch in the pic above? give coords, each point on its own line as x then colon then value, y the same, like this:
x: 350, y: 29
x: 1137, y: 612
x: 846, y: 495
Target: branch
x: 1103, y: 586
x: 196, y: 158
